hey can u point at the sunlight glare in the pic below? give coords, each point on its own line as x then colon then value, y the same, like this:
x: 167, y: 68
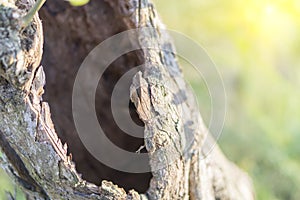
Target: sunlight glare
x: 270, y: 9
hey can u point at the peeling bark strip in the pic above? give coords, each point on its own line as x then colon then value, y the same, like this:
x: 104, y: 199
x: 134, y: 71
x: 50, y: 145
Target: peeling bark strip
x: 37, y: 160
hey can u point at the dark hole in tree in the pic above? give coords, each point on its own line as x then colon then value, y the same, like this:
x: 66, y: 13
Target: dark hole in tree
x: 70, y: 34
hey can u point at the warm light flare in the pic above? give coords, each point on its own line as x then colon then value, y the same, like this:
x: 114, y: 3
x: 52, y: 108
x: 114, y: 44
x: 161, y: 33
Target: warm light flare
x: 272, y: 22
x: 270, y: 9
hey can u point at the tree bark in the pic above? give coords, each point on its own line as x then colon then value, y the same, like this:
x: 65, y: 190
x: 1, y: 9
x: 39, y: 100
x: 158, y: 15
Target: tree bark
x: 33, y: 154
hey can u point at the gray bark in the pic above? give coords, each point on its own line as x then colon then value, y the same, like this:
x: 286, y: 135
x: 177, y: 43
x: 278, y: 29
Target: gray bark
x: 33, y: 154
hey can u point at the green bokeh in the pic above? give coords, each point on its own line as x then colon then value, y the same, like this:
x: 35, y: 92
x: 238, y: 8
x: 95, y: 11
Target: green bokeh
x: 7, y: 188
x: 256, y: 46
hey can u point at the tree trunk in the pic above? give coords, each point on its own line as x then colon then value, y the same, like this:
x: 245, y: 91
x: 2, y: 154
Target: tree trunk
x: 32, y: 139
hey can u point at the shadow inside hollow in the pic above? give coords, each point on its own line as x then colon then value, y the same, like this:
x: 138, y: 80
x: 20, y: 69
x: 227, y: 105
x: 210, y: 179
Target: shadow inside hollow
x: 70, y: 34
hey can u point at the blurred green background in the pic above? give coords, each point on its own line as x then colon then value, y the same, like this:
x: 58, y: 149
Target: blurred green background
x: 256, y: 47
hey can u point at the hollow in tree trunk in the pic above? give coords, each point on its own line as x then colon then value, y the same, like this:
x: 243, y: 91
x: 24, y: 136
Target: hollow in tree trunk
x: 37, y: 140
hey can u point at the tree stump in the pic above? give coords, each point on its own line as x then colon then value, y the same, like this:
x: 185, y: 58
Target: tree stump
x: 37, y: 140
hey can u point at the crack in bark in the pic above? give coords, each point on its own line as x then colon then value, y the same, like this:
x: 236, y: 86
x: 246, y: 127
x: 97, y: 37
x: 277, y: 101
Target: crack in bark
x: 23, y: 175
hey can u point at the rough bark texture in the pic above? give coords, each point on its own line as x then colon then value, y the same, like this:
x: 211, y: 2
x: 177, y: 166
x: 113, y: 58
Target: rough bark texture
x: 32, y: 151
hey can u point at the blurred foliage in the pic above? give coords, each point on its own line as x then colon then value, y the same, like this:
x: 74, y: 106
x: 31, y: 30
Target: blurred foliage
x: 256, y: 46
x: 78, y: 2
x: 7, y: 188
